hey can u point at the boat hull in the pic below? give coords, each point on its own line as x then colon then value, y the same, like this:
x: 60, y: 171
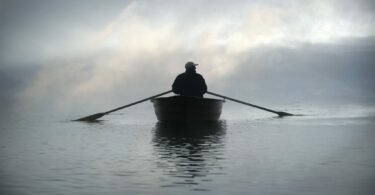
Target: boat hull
x: 182, y: 108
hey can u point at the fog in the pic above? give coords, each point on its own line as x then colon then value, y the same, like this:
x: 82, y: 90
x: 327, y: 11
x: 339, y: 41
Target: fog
x: 90, y: 56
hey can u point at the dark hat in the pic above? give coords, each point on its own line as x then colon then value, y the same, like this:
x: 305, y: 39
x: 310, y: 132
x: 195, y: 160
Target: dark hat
x: 190, y: 65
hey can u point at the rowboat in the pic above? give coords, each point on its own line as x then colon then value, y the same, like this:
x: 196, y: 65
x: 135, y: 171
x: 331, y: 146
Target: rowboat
x: 184, y: 108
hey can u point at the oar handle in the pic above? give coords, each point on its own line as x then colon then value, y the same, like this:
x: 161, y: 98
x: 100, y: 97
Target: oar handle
x: 137, y: 102
x: 242, y: 102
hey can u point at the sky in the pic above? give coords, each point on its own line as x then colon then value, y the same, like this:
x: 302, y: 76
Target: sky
x: 91, y: 55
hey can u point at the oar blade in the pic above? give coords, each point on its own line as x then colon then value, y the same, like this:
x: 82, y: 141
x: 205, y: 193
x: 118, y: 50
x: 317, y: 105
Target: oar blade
x: 283, y: 114
x: 91, y: 117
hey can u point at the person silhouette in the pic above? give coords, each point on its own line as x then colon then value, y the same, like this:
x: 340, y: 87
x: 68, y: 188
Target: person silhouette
x: 189, y: 83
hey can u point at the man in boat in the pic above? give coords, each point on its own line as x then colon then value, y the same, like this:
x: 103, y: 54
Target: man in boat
x: 190, y: 83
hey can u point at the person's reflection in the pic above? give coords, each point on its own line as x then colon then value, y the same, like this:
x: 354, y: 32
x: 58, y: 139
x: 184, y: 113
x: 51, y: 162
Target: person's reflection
x: 189, y: 153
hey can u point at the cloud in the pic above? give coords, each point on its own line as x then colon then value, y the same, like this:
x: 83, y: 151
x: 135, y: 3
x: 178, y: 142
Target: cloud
x: 315, y: 73
x: 69, y: 29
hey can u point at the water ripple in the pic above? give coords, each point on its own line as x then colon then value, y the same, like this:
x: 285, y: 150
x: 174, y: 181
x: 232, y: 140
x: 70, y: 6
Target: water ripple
x: 189, y: 151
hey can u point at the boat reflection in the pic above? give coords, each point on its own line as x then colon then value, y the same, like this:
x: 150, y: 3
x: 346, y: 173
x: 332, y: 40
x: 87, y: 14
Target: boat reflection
x: 189, y: 154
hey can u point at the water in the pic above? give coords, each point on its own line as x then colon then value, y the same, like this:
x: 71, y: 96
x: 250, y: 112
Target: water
x: 129, y: 153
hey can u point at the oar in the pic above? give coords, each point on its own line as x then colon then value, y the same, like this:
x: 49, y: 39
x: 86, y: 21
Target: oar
x: 98, y: 115
x: 281, y: 114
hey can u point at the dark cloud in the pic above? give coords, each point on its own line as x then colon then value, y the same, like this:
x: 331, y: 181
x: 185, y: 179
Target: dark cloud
x: 328, y: 73
x: 13, y: 80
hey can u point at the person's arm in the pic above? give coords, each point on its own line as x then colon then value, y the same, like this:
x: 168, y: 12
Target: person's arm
x: 176, y: 85
x: 203, y: 86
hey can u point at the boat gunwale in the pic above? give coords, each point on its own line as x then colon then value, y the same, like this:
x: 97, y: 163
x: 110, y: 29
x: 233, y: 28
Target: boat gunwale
x: 185, y: 108
x: 189, y: 98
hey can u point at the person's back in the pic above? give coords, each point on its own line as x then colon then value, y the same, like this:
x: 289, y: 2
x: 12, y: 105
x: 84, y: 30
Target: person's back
x: 190, y: 83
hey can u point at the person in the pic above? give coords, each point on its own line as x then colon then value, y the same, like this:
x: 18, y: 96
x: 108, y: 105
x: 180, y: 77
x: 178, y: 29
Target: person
x: 190, y: 83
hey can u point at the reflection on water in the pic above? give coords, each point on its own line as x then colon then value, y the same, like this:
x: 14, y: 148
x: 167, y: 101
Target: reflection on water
x: 189, y: 153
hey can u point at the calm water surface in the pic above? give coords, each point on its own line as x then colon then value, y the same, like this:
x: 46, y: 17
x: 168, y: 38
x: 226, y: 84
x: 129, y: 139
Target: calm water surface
x: 137, y: 155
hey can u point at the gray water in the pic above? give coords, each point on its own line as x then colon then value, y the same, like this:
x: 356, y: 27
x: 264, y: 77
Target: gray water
x: 129, y: 153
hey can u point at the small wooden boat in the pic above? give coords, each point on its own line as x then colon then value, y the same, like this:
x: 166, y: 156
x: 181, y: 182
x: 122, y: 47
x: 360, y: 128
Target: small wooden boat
x: 183, y: 108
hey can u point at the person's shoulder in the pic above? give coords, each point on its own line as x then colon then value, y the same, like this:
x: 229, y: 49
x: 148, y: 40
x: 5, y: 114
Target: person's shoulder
x: 199, y: 75
x: 181, y: 75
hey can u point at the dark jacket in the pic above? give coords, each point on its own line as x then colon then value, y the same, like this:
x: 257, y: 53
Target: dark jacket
x: 189, y: 83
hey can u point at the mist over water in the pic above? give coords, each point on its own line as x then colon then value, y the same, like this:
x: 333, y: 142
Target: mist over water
x: 319, y: 75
